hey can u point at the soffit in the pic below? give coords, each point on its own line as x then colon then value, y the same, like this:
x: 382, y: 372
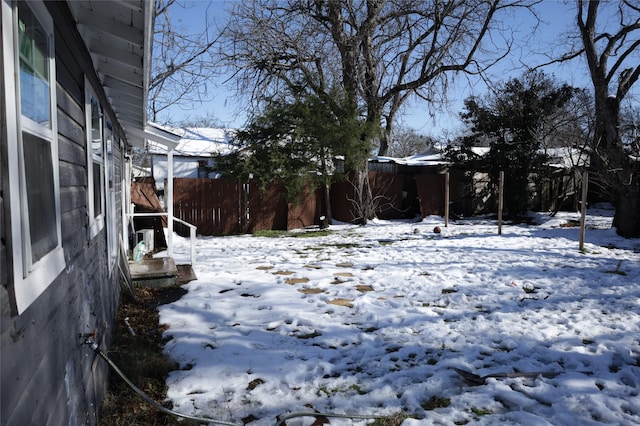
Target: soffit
x: 118, y: 35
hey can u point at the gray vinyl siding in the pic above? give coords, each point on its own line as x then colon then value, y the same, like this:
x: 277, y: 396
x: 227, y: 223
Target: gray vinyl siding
x: 48, y: 377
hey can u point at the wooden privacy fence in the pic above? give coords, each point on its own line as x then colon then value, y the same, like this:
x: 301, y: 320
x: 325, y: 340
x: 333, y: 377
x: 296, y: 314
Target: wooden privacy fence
x: 228, y: 206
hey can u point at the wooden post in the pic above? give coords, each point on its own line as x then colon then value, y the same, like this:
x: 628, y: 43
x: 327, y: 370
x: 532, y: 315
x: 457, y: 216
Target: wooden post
x: 446, y: 199
x: 168, y: 197
x: 500, y: 201
x: 583, y: 209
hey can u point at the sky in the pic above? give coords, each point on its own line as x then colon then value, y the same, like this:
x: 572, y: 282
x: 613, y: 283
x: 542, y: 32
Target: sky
x: 557, y: 17
x: 374, y: 320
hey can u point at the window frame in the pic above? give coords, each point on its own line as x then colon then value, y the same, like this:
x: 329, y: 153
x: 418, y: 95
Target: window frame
x: 96, y: 219
x: 110, y: 143
x: 30, y: 278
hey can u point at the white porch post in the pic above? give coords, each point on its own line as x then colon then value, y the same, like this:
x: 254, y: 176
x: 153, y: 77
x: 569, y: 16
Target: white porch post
x: 126, y: 202
x: 169, y: 201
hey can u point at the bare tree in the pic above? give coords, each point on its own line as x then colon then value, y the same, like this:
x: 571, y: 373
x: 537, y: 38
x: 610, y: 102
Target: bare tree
x: 614, y: 67
x: 377, y: 53
x: 406, y: 142
x: 631, y: 129
x: 184, y: 62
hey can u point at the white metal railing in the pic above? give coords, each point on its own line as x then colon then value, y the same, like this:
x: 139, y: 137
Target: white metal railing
x: 192, y: 232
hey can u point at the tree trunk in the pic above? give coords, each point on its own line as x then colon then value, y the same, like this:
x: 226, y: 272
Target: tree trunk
x: 328, y: 218
x: 628, y: 211
x: 617, y: 176
x: 385, y: 141
x: 364, y: 208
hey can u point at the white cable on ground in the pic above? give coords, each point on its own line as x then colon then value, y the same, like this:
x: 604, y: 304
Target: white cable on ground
x: 94, y: 346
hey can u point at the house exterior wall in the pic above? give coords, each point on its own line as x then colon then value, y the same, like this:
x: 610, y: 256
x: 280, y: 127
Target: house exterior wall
x: 48, y: 376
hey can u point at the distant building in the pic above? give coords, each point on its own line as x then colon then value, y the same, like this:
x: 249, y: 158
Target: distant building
x: 194, y: 155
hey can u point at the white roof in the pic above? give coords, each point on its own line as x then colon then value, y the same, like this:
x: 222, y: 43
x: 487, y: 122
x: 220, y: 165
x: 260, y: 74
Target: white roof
x: 199, y: 142
x: 559, y: 157
x: 416, y: 160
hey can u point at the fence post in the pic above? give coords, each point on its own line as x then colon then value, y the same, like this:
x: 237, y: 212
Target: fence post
x: 500, y: 201
x: 583, y: 209
x: 446, y: 199
x: 192, y: 240
x: 169, y: 196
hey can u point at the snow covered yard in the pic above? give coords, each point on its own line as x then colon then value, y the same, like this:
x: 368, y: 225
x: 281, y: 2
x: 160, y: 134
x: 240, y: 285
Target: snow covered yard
x: 374, y: 319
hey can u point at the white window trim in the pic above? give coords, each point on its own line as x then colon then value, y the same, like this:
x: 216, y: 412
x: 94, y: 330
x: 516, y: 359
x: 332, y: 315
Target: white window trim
x: 30, y: 280
x: 96, y: 223
x: 110, y: 192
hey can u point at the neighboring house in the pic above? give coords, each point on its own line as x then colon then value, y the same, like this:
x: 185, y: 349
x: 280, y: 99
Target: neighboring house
x: 194, y: 155
x: 139, y: 171
x: 74, y: 86
x: 469, y: 191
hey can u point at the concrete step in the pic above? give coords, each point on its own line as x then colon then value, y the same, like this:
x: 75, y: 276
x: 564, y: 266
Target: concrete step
x: 155, y: 272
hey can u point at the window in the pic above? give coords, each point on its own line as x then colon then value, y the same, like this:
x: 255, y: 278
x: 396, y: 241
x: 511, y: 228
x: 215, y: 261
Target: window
x: 32, y: 150
x: 95, y: 163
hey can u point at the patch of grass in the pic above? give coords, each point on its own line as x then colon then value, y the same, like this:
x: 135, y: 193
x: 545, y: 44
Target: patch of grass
x: 357, y: 389
x: 481, y: 411
x: 250, y: 418
x: 268, y: 233
x: 279, y: 233
x: 436, y: 402
x: 312, y: 234
x: 332, y: 391
x: 312, y: 335
x: 393, y: 420
x: 342, y: 245
x: 141, y: 359
x: 324, y: 390
x: 254, y: 384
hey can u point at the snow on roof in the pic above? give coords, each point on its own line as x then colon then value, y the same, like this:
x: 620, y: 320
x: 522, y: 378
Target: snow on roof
x: 416, y: 160
x: 199, y: 142
x: 558, y: 157
x: 564, y: 158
